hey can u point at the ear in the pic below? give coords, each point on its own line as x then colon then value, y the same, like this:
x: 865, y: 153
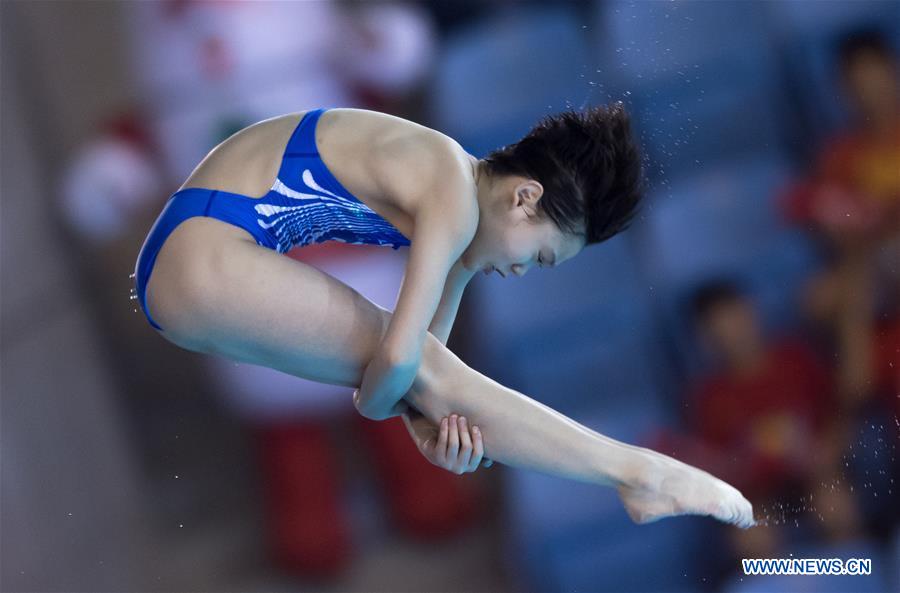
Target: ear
x: 527, y: 195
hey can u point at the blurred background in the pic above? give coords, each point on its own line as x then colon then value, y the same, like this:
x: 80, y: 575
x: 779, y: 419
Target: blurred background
x: 747, y: 323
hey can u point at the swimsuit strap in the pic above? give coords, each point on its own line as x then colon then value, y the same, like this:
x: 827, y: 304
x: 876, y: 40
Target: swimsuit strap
x: 303, y: 140
x: 301, y: 159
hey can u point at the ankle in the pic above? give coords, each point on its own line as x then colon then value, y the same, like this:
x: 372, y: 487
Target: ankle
x: 641, y: 468
x: 620, y: 465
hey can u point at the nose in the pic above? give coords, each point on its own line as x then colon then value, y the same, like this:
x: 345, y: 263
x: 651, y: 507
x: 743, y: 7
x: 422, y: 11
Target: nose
x: 518, y: 269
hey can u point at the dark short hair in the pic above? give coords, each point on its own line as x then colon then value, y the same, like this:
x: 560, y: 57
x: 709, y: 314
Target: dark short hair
x: 851, y: 43
x: 712, y: 293
x: 589, y: 165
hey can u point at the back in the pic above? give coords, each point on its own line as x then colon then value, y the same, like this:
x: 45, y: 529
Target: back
x: 349, y: 142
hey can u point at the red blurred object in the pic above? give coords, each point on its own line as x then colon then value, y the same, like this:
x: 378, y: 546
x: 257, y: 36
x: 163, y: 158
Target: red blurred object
x: 425, y: 501
x: 330, y: 250
x: 765, y: 420
x: 887, y: 360
x: 309, y: 530
x: 131, y: 125
x: 796, y: 200
x: 854, y: 183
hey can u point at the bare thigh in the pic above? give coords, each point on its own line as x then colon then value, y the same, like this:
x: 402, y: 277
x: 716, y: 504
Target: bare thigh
x: 214, y: 290
x: 251, y: 304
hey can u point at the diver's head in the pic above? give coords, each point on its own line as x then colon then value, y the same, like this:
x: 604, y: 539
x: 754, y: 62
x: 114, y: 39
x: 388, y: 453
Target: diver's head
x: 574, y: 180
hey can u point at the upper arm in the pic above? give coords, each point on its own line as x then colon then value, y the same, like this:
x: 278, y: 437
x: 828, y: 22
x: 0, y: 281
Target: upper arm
x: 443, y: 320
x: 445, y: 222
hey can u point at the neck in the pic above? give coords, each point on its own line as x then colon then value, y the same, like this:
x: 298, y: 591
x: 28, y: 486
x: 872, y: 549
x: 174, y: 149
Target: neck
x: 482, y: 191
x: 483, y: 185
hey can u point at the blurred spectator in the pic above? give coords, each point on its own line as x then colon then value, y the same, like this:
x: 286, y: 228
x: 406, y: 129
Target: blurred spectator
x: 762, y: 420
x: 768, y: 397
x: 111, y: 180
x: 852, y: 196
x: 386, y: 53
x: 886, y: 357
x: 208, y: 69
x: 851, y: 200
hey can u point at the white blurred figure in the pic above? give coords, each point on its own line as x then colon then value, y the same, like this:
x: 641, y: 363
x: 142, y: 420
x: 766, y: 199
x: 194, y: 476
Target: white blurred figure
x: 107, y: 185
x: 207, y: 69
x: 390, y: 47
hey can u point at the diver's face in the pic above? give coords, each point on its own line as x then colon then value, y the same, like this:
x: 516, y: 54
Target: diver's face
x: 512, y: 237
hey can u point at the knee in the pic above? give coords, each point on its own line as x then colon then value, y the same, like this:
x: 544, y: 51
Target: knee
x: 187, y: 329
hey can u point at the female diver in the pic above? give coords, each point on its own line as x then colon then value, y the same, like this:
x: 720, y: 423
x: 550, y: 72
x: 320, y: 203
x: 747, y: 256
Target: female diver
x: 220, y: 286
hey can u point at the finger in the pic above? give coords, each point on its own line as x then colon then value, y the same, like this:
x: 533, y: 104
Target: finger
x: 453, y: 442
x: 478, y: 449
x: 465, y: 445
x: 441, y: 446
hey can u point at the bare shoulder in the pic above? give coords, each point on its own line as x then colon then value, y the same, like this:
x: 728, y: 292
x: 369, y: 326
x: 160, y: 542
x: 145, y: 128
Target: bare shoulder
x: 420, y: 168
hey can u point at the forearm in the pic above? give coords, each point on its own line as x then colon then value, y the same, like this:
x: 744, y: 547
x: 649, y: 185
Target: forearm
x: 440, y: 328
x: 445, y: 317
x: 384, y: 382
x: 517, y: 430
x: 398, y: 409
x: 443, y: 320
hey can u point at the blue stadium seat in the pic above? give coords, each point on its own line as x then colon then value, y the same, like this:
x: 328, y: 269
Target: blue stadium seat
x: 497, y: 78
x: 569, y: 536
x: 810, y: 19
x: 724, y: 223
x: 702, y: 89
x: 575, y: 337
x: 893, y: 554
x: 652, y: 40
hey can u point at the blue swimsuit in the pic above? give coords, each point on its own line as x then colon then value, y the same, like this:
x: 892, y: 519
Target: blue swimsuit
x: 305, y: 205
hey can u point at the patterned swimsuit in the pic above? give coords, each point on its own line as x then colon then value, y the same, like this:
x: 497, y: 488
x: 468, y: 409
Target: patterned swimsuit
x: 305, y: 205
